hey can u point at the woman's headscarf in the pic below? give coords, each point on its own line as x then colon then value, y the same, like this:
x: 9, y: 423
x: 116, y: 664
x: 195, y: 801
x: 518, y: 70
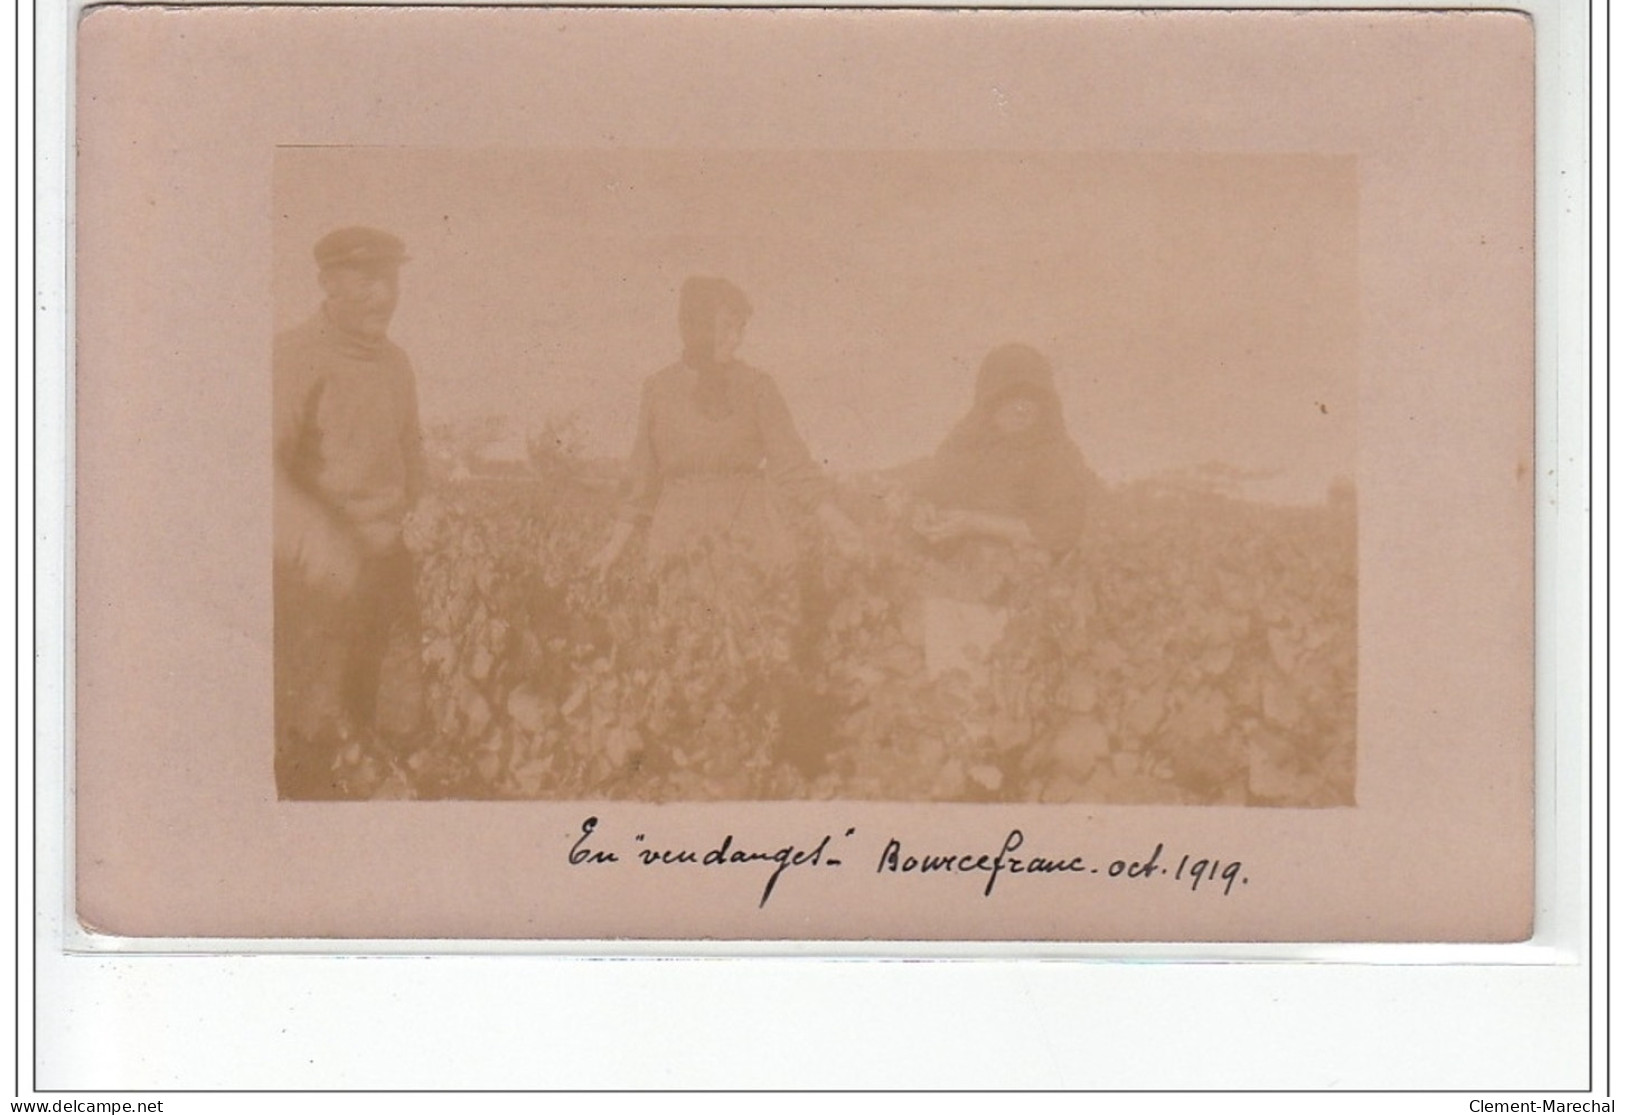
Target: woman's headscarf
x: 1037, y: 474
x: 1009, y: 370
x: 698, y: 303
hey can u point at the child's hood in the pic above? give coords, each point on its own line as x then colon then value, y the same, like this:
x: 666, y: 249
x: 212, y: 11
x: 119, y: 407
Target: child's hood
x: 1014, y: 368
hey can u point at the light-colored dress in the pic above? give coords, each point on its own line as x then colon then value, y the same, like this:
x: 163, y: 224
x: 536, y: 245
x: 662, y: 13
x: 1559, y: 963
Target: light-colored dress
x: 723, y: 477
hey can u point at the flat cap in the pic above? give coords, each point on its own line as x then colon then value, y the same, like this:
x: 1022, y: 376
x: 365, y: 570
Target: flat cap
x: 359, y: 246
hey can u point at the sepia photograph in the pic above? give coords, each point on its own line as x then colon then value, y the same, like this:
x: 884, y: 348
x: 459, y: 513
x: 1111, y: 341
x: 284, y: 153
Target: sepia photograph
x: 878, y: 475
x: 784, y: 548
x: 847, y: 477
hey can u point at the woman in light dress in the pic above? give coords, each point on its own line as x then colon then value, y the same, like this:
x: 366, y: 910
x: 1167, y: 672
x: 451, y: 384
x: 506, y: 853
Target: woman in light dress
x: 717, y: 459
x: 719, y: 481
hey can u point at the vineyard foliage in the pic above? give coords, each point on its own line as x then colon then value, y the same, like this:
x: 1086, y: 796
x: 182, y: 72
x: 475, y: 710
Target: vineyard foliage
x: 1194, y: 649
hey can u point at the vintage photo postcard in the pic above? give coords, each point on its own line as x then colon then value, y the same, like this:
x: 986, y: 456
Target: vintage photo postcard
x: 878, y: 475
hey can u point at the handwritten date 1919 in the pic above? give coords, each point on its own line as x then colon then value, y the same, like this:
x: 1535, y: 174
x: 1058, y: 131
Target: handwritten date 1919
x: 1205, y: 873
x: 1193, y: 871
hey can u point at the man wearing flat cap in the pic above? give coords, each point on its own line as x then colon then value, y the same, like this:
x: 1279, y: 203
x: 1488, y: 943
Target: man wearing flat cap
x: 348, y: 466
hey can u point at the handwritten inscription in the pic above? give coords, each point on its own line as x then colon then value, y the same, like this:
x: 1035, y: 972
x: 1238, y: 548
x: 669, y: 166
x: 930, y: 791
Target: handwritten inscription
x: 723, y: 854
x: 1196, y: 872
x: 1191, y: 869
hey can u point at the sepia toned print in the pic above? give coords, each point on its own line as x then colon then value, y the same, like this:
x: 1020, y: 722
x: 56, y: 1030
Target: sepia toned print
x: 1037, y: 487
x: 1279, y: 269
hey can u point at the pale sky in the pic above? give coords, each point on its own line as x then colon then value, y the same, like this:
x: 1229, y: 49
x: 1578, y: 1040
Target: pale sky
x: 1197, y: 308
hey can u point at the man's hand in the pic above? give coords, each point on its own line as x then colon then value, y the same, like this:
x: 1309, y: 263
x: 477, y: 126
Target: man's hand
x: 311, y: 539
